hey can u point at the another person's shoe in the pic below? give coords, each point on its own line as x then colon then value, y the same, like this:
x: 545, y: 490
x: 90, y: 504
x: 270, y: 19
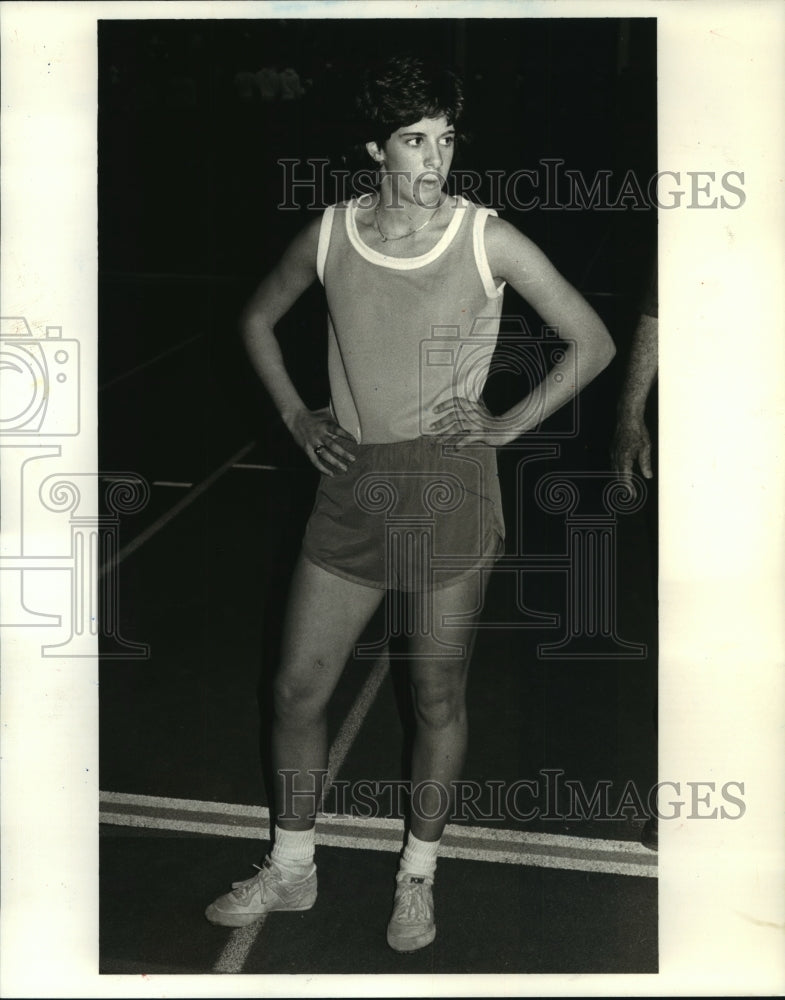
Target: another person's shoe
x: 264, y: 893
x: 412, y: 923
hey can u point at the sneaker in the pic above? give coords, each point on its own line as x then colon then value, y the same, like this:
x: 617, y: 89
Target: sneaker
x: 263, y: 893
x: 412, y: 923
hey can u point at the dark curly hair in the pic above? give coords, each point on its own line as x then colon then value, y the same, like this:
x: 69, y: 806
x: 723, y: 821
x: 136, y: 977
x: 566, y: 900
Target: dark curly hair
x: 401, y: 90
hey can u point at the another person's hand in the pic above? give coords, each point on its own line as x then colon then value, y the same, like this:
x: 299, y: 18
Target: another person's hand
x: 631, y: 438
x: 323, y: 440
x: 631, y: 443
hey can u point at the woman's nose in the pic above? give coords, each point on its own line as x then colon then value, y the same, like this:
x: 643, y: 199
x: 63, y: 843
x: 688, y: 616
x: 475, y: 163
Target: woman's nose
x: 433, y: 157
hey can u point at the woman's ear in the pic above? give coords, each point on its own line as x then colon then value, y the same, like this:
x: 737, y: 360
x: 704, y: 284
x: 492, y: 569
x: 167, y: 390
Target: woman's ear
x: 374, y: 152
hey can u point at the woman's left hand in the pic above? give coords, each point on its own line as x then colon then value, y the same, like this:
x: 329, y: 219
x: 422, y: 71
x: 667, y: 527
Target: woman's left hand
x: 463, y: 423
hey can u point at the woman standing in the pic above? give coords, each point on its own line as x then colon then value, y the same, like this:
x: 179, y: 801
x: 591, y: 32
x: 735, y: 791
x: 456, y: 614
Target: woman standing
x: 414, y: 280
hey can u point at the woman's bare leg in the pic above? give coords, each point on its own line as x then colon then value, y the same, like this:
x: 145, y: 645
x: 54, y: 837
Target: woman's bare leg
x: 438, y: 681
x: 325, y: 617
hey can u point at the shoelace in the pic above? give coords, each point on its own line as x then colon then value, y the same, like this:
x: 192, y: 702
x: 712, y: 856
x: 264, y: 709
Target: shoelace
x: 411, y: 904
x: 242, y: 889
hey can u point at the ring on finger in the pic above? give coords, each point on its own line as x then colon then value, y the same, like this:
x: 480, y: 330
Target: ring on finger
x: 318, y: 449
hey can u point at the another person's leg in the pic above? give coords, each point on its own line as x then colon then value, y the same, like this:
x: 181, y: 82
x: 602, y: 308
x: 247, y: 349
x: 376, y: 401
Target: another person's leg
x: 438, y: 674
x: 325, y: 617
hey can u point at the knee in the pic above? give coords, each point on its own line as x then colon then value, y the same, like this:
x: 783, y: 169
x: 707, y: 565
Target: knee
x: 297, y: 703
x: 439, y: 708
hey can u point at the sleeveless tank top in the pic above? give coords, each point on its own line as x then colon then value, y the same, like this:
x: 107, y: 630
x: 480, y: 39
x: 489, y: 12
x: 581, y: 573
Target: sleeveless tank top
x: 405, y: 333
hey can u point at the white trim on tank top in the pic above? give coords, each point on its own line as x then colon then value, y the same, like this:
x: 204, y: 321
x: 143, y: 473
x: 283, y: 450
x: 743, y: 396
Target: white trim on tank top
x: 480, y: 256
x: 325, y: 229
x: 401, y: 263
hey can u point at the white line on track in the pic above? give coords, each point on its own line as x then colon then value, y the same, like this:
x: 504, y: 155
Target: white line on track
x: 180, y: 506
x: 236, y: 950
x: 354, y: 720
x: 473, y: 843
x: 150, y: 361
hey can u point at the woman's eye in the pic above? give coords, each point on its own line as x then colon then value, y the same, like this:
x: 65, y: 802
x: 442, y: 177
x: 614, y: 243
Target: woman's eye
x: 448, y: 140
x: 414, y: 141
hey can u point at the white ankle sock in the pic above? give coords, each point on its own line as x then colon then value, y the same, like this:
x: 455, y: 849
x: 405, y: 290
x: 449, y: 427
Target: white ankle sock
x: 419, y: 856
x: 293, y: 853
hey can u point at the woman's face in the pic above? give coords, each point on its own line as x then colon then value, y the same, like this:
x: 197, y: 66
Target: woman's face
x: 418, y: 158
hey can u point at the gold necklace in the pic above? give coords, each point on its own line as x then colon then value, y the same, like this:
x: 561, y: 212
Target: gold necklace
x: 392, y: 239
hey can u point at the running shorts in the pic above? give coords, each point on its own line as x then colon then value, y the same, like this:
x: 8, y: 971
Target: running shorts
x: 408, y: 515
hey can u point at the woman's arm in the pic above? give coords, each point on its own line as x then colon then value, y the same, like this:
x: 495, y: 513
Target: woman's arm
x: 513, y: 257
x: 291, y: 276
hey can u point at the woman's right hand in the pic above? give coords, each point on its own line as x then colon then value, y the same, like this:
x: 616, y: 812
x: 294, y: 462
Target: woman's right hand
x: 323, y: 440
